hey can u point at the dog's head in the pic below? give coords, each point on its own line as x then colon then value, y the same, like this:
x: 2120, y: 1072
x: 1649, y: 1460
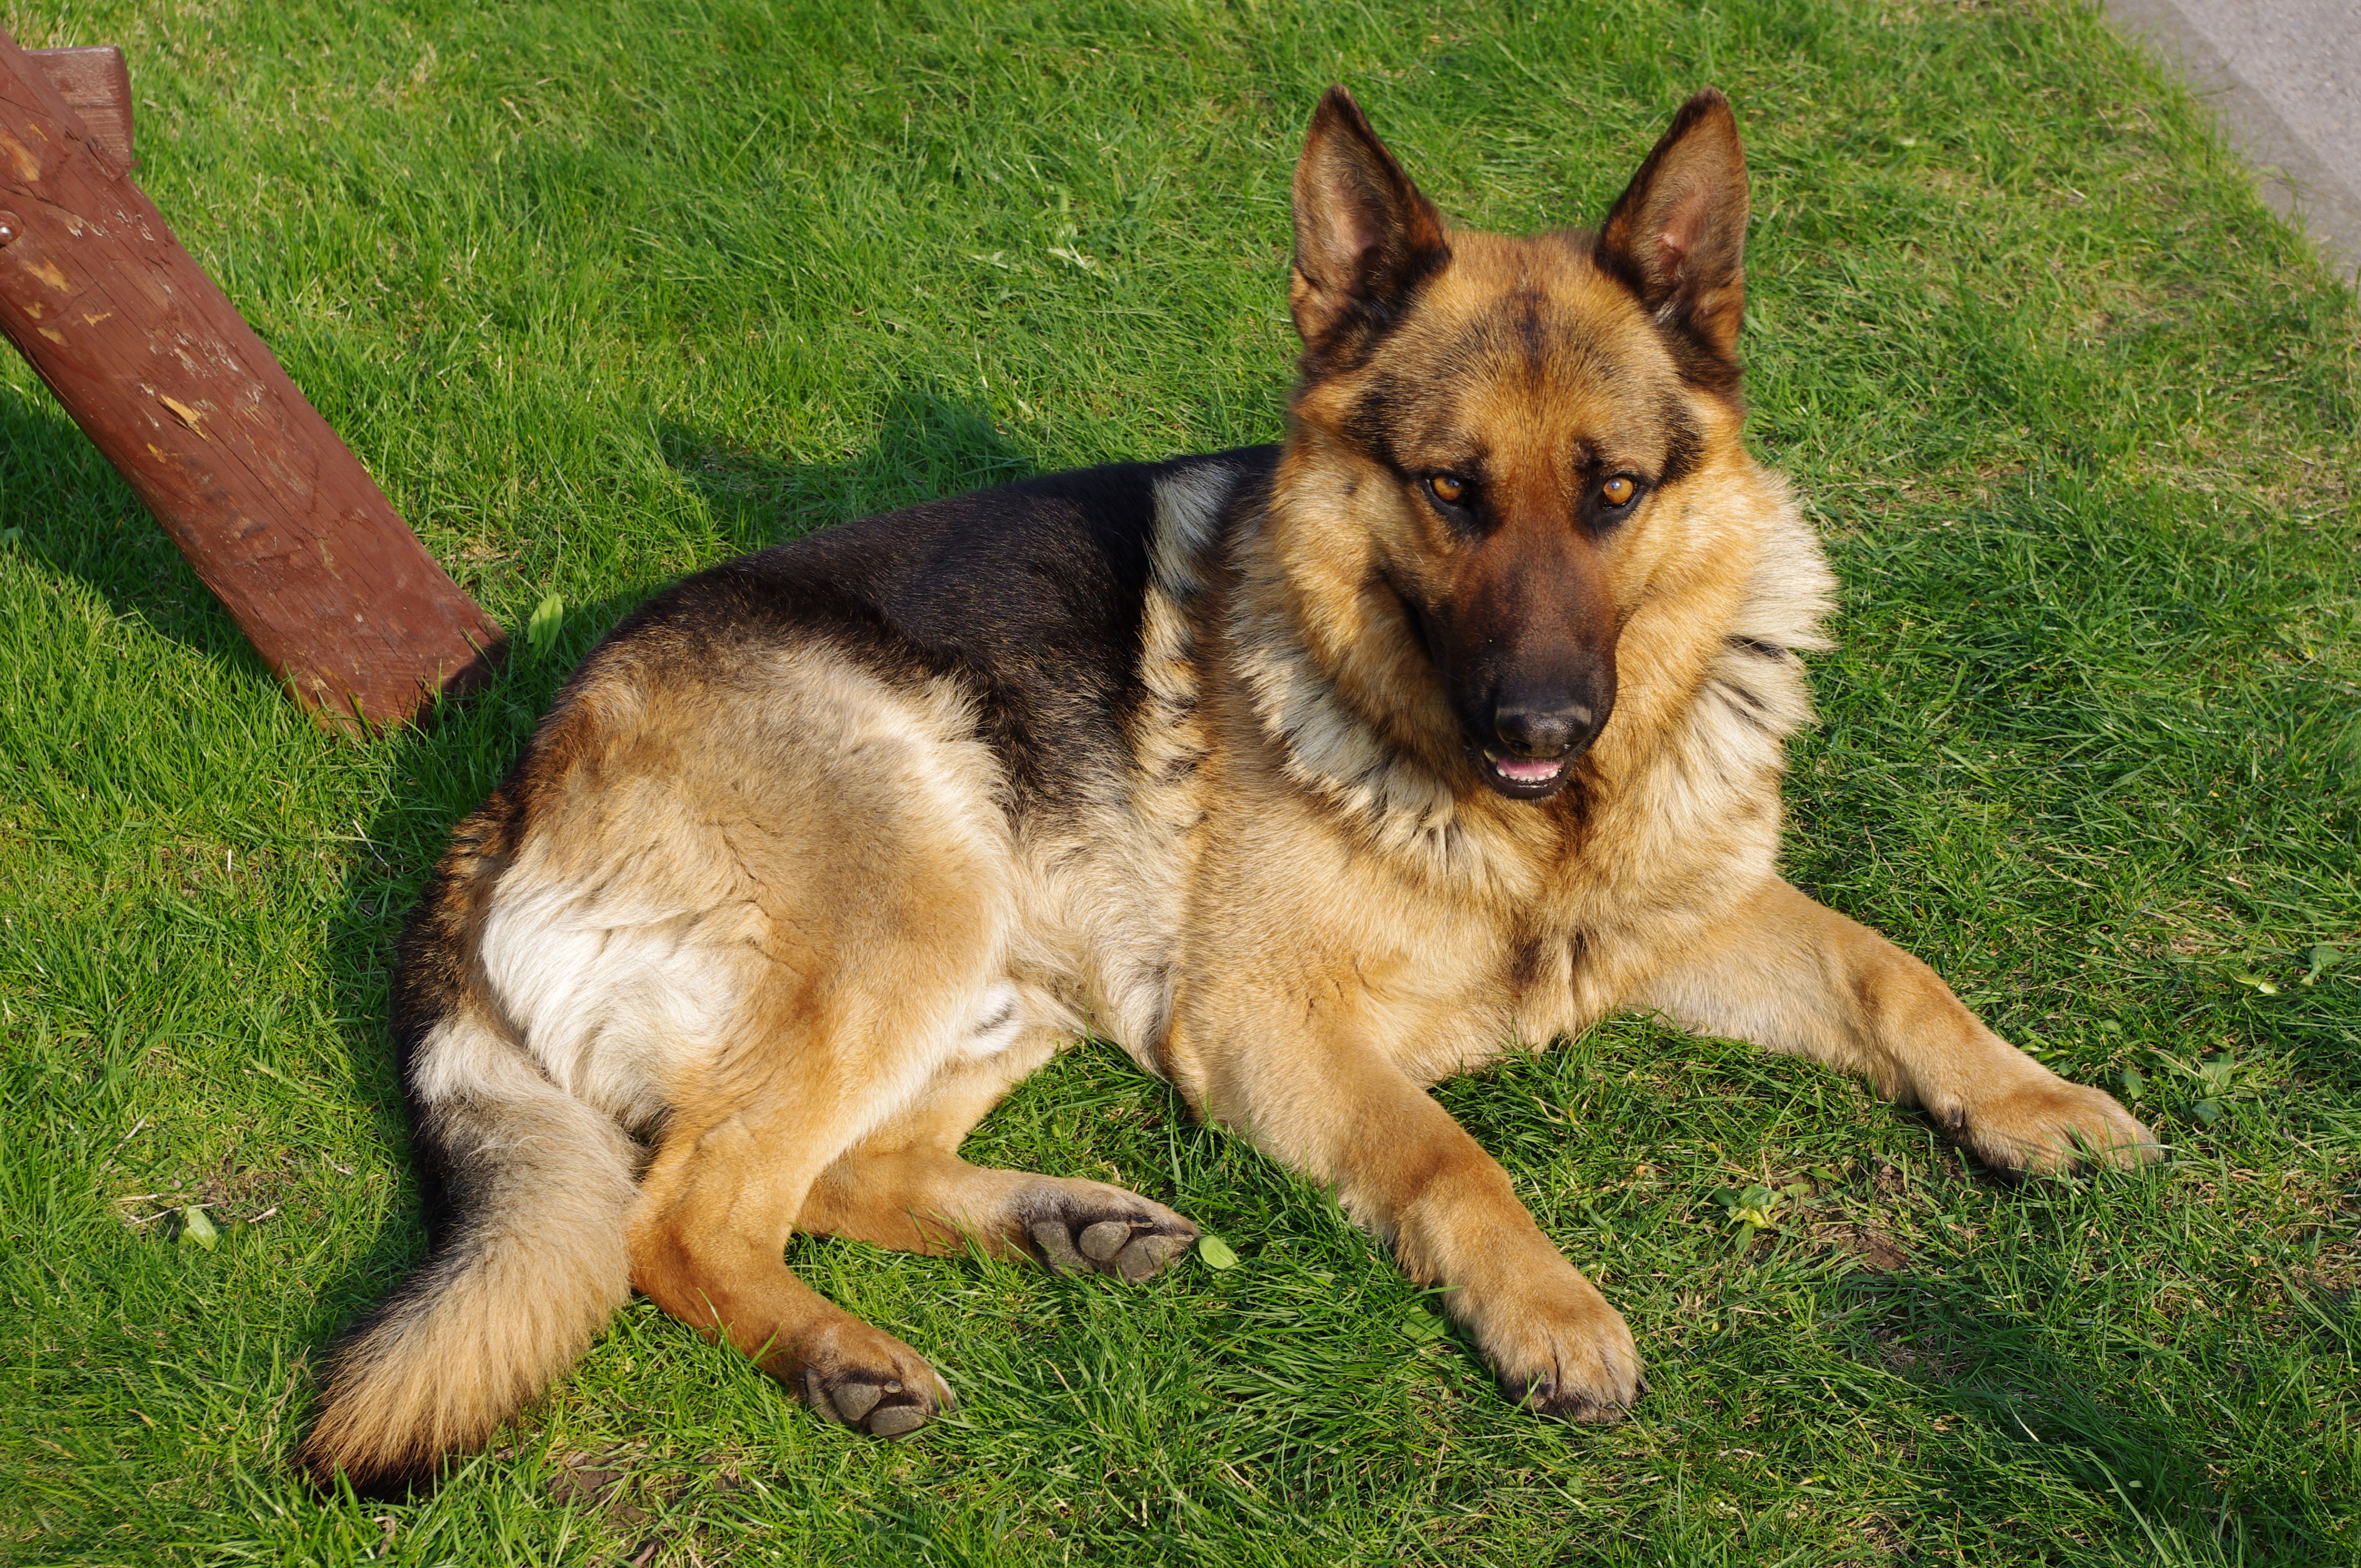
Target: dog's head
x: 1492, y: 433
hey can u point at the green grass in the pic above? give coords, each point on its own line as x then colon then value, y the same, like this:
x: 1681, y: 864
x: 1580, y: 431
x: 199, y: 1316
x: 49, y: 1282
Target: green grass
x: 602, y: 293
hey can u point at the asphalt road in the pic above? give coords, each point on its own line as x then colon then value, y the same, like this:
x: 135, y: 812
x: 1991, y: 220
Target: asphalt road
x: 2285, y: 77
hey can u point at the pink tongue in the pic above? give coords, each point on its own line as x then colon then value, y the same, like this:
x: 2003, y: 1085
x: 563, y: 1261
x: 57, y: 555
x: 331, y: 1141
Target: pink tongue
x: 1526, y: 772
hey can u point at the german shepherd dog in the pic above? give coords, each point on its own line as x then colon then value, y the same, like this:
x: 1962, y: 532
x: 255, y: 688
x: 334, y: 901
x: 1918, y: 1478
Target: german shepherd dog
x: 1310, y: 774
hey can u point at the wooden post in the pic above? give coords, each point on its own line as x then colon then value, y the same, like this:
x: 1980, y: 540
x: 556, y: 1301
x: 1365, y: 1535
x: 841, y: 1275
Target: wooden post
x: 156, y: 367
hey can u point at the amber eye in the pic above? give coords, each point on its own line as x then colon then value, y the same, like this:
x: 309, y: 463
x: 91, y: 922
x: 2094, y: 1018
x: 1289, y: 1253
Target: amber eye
x: 1617, y: 492
x: 1448, y: 489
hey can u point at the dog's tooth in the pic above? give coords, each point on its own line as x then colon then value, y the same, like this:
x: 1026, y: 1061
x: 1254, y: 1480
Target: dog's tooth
x: 1103, y: 1239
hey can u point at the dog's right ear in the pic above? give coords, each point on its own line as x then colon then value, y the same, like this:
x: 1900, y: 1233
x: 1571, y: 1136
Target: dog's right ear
x: 1364, y: 236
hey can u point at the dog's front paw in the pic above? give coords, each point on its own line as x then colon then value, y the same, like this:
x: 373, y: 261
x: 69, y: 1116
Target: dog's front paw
x: 1079, y: 1227
x: 2049, y: 1126
x: 1558, y: 1348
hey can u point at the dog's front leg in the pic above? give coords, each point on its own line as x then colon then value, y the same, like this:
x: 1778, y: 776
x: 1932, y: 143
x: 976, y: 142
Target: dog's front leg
x: 1795, y: 975
x: 1302, y: 1077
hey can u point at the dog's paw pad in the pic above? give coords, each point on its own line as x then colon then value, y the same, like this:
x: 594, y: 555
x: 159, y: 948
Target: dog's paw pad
x: 1547, y: 1398
x: 852, y: 1401
x: 880, y: 1409
x: 1151, y: 1252
x: 1058, y: 1249
x: 882, y: 1400
x: 1084, y: 1227
x: 1100, y: 1242
x: 892, y: 1421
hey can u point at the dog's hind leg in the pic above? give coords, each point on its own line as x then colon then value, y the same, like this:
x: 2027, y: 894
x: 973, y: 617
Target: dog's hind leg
x: 716, y: 1207
x: 1796, y: 976
x: 906, y: 1186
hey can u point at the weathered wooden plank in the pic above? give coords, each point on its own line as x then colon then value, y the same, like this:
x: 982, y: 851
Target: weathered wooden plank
x: 156, y: 367
x: 95, y: 85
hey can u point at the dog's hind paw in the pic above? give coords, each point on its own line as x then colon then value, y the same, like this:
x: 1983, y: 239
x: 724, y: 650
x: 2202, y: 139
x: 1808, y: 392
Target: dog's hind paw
x: 882, y: 1407
x: 864, y: 1378
x: 1080, y: 1227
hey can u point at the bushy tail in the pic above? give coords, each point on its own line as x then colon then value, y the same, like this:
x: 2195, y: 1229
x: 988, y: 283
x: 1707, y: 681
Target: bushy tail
x: 530, y: 1267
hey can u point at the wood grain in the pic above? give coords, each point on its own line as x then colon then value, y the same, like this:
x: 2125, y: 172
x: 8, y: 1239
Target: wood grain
x: 95, y: 85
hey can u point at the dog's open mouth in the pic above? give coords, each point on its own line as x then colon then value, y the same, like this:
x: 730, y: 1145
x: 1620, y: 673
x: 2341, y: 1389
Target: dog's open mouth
x: 1524, y: 778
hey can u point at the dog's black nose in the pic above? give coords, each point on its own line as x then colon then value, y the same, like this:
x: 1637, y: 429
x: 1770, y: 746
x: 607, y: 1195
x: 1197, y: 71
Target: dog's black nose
x: 1528, y: 731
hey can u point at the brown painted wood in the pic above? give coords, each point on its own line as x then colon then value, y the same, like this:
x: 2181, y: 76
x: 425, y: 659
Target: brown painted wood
x: 95, y: 85
x: 156, y: 367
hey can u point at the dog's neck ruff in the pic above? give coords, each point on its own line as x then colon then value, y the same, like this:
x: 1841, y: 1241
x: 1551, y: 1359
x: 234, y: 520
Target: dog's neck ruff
x: 1391, y: 796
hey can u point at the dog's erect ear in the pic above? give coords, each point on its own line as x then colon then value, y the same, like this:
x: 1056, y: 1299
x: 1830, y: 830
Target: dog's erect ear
x: 1678, y: 234
x: 1364, y: 236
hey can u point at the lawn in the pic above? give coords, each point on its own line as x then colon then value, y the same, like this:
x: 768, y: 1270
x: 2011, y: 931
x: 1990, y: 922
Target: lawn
x: 604, y: 294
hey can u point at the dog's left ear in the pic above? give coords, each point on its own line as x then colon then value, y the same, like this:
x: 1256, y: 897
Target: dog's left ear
x: 1678, y: 234
x: 1364, y: 239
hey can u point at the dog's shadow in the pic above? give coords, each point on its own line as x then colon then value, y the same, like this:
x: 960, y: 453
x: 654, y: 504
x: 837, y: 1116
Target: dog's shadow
x: 62, y: 506
x: 928, y: 446
x: 2017, y: 1402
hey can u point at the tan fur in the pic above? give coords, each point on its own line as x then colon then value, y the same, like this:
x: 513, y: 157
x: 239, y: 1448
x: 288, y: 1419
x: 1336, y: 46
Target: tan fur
x: 450, y: 1362
x: 772, y: 913
x: 1372, y: 928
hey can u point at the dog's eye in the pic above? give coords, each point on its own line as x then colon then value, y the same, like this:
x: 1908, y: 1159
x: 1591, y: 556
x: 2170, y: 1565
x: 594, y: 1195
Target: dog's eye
x: 1619, y: 491
x: 1448, y: 489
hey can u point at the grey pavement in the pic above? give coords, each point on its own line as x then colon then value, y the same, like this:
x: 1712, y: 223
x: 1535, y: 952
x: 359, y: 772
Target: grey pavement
x: 2284, y: 77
